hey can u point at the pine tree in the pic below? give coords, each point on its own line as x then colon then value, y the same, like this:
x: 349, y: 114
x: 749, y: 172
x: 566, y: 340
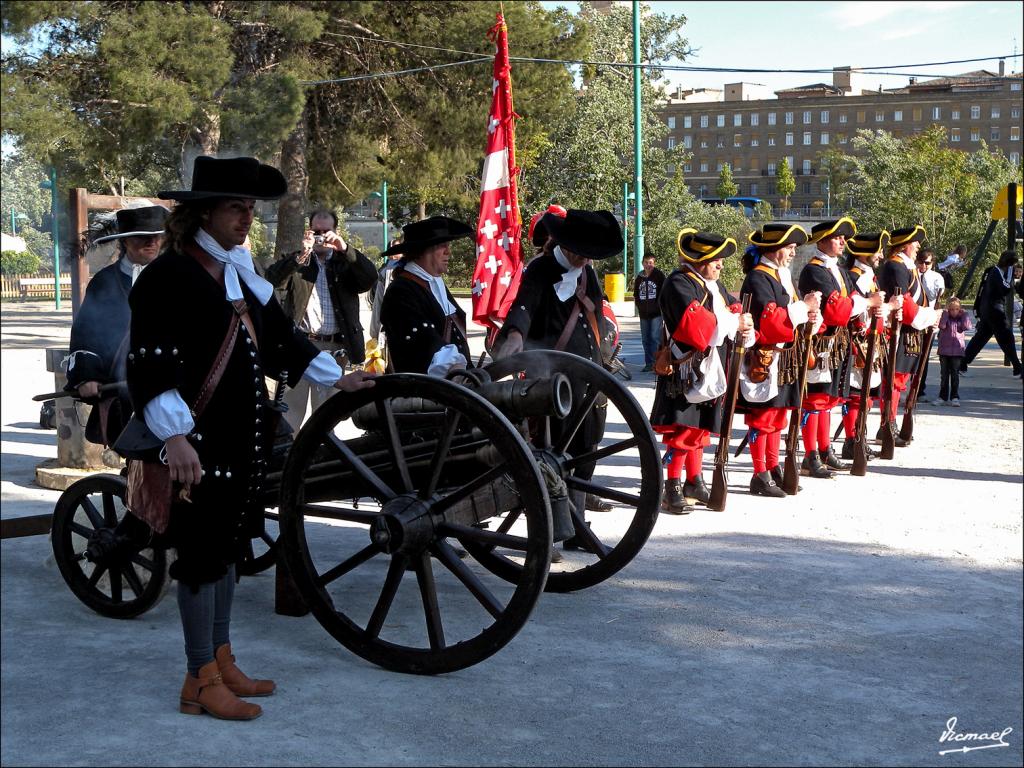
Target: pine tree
x: 726, y: 186
x: 785, y: 184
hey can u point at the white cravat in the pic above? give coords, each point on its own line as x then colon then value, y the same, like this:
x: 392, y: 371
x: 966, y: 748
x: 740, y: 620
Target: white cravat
x: 566, y: 287
x: 237, y: 264
x: 131, y: 269
x: 437, y: 289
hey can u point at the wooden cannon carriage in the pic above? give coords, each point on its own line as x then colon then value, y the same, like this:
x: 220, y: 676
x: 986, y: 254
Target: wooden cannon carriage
x: 380, y: 487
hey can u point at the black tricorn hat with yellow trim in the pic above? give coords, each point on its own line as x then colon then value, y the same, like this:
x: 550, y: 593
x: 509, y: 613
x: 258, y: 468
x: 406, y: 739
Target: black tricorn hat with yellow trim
x: 833, y: 228
x: 699, y: 247
x: 867, y: 245
x: 773, y: 236
x: 906, y: 235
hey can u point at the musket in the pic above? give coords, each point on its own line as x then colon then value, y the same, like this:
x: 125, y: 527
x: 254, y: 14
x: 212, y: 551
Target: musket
x: 860, y: 441
x: 889, y: 391
x: 720, y: 481
x: 791, y: 470
x: 103, y: 388
x: 907, y: 428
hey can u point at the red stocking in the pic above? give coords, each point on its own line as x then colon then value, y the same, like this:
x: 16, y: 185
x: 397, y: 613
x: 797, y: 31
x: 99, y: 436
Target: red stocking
x: 758, y: 449
x: 675, y: 464
x: 694, y: 459
x: 809, y: 430
x: 772, y: 441
x: 824, y: 430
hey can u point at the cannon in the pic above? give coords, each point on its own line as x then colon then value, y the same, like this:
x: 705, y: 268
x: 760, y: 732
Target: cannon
x: 381, y: 488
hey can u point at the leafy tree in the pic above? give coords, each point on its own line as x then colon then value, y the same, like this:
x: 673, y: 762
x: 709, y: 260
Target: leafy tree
x: 785, y: 184
x: 19, y: 263
x: 726, y: 186
x: 19, y: 190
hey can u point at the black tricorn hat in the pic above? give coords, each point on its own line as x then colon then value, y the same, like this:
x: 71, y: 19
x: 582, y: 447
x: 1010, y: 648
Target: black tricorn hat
x: 699, y: 247
x: 591, y: 234
x: 772, y: 236
x: 906, y: 235
x: 244, y: 177
x: 867, y: 245
x: 420, y: 235
x: 833, y: 228
x: 135, y: 222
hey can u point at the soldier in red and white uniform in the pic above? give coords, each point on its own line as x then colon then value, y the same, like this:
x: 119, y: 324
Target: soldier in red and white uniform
x: 768, y: 389
x: 701, y: 320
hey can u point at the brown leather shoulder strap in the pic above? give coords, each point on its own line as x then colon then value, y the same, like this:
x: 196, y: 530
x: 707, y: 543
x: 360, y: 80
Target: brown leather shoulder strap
x: 415, y: 278
x: 220, y: 363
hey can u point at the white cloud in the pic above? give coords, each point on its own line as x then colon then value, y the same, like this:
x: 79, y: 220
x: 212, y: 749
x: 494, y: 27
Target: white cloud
x: 859, y: 14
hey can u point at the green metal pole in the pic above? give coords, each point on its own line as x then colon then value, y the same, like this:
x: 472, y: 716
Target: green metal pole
x: 638, y: 173
x: 625, y: 228
x: 14, y: 228
x: 384, y: 210
x: 54, y: 233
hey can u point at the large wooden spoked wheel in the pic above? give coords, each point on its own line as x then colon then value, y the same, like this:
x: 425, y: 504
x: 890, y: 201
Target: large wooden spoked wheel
x: 367, y: 523
x: 122, y: 585
x: 627, y: 473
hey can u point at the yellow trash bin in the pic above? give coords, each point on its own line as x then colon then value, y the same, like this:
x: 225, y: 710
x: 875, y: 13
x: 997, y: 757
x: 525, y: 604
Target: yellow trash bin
x: 615, y: 286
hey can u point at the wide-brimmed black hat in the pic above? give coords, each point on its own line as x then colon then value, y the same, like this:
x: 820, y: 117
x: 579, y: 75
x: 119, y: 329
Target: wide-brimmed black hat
x: 137, y: 222
x: 244, y: 177
x: 591, y: 234
x: 537, y: 232
x: 914, y: 234
x: 833, y: 228
x: 772, y: 236
x: 420, y: 235
x: 699, y: 247
x: 867, y: 245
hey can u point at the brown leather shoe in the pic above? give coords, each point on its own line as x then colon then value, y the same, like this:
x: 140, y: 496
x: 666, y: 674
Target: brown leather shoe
x: 236, y: 680
x: 207, y: 693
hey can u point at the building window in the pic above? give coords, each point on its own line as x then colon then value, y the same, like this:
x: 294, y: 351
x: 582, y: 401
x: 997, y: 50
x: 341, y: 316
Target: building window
x: 807, y: 187
x: 1014, y: 112
x: 720, y: 121
x: 917, y: 114
x: 995, y: 112
x: 753, y: 189
x: 807, y: 138
x: 671, y: 142
x: 771, y: 187
x: 789, y: 161
x: 670, y: 169
x: 807, y: 167
x: 755, y: 164
x: 755, y: 119
x: 789, y: 139
x: 703, y: 121
x: 842, y: 119
x: 897, y: 115
x: 771, y: 118
x: 671, y: 123
x: 936, y: 113
x: 688, y: 121
x: 975, y: 112
x: 955, y: 115
x: 737, y: 139
x: 954, y: 135
x: 737, y: 163
x: 771, y: 169
x: 1014, y: 86
x: 737, y: 120
x: 688, y: 141
x: 703, y: 143
x: 841, y: 137
x: 824, y: 117
x: 824, y: 137
x: 771, y: 140
x: 975, y: 134
x: 720, y: 142
x: 688, y: 167
x: 1014, y: 158
x: 789, y: 118
x: 807, y: 118
x: 754, y: 142
x: 862, y: 116
x: 994, y: 134
x: 879, y: 116
x: 704, y: 167
x: 718, y: 166
x: 1015, y: 133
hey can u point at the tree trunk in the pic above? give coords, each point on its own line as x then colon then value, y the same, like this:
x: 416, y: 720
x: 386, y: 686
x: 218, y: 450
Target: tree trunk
x: 204, y: 139
x: 421, y: 210
x: 291, y: 211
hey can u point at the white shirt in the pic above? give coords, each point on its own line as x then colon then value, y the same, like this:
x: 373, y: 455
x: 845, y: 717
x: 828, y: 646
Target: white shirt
x: 933, y: 285
x: 320, y: 318
x: 951, y: 261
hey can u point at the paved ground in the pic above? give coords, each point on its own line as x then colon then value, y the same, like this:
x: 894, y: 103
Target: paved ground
x: 845, y: 626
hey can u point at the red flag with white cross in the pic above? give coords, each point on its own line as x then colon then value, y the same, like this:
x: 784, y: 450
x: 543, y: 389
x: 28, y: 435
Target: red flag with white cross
x: 499, y: 260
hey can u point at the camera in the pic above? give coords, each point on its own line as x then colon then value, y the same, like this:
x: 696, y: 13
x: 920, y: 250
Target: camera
x: 318, y: 239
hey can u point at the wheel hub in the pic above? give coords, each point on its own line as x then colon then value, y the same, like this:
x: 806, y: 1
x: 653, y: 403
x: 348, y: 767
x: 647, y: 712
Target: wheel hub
x: 404, y: 525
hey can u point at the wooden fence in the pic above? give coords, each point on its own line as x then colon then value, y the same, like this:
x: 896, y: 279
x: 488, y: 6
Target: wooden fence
x: 37, y: 286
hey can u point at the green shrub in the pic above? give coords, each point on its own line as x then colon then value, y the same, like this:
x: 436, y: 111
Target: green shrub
x: 19, y: 263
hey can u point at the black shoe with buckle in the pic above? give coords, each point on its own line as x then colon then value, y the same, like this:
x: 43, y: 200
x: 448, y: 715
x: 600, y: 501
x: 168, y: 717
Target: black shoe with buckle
x: 830, y: 460
x: 847, y: 453
x: 597, y: 504
x: 696, y: 492
x: 811, y: 466
x: 673, y: 502
x: 763, y: 484
x: 777, y: 475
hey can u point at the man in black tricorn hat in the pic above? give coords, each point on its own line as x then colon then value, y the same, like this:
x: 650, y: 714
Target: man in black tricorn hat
x: 99, y: 335
x: 205, y: 331
x: 559, y: 307
x: 425, y: 327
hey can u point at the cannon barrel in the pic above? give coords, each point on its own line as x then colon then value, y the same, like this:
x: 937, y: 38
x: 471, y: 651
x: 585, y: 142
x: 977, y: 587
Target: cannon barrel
x: 521, y: 398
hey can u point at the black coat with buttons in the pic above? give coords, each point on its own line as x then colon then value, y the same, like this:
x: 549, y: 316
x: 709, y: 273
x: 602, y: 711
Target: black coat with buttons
x: 180, y: 318
x: 415, y: 324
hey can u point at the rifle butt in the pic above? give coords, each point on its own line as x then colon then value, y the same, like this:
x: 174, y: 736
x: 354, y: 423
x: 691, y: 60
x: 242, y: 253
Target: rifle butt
x: 888, y: 449
x: 790, y: 474
x: 907, y: 427
x: 719, y: 490
x: 860, y: 459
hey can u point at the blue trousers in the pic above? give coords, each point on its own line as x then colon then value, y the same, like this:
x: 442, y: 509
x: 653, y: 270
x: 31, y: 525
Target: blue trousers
x: 650, y: 335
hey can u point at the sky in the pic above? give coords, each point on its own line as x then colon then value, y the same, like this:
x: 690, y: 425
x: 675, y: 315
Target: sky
x: 822, y: 35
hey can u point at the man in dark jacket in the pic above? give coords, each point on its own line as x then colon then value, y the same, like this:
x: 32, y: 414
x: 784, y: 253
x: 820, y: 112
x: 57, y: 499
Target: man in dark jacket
x: 990, y: 310
x: 646, y: 291
x: 322, y: 297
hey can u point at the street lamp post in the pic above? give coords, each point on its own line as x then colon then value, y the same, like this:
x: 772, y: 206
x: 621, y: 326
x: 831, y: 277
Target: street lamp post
x: 15, y: 217
x: 51, y: 184
x: 384, y: 209
x: 625, y: 227
x: 638, y: 172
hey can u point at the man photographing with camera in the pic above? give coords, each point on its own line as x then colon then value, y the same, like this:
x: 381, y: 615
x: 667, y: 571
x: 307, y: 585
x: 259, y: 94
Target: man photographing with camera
x: 322, y: 283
